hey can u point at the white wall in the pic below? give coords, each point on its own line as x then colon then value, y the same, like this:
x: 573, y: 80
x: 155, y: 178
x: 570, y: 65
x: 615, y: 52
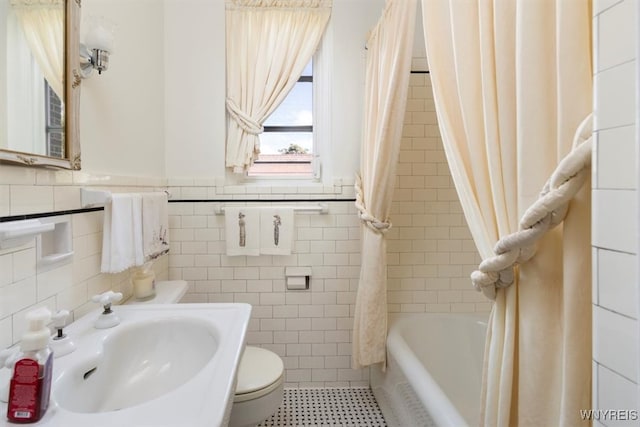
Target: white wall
x: 195, y: 86
x: 122, y: 110
x: 350, y: 23
x: 3, y: 75
x: 194, y: 45
x: 615, y: 212
x: 158, y: 111
x: 419, y: 47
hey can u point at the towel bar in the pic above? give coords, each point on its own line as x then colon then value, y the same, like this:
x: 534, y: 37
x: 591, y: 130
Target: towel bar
x: 90, y: 198
x: 321, y: 208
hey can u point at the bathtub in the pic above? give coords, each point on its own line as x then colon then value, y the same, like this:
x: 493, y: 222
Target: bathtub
x: 434, y: 370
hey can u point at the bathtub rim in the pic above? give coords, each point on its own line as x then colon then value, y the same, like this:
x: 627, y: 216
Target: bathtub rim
x: 438, y: 405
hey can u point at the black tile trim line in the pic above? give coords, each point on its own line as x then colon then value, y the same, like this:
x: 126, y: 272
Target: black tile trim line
x: 47, y: 214
x: 85, y: 210
x: 420, y: 72
x: 260, y: 200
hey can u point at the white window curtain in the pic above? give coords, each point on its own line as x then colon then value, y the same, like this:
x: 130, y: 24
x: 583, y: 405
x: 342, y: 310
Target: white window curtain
x: 512, y: 82
x: 42, y: 22
x: 269, y: 42
x: 388, y: 70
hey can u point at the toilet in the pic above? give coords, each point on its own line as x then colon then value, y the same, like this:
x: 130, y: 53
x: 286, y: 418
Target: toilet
x: 259, y: 389
x: 260, y: 378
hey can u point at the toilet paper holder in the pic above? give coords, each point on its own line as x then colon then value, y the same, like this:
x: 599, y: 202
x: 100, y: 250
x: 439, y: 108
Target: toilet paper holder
x: 297, y: 278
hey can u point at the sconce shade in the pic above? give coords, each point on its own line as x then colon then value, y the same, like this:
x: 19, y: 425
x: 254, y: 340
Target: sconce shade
x: 100, y: 38
x: 97, y: 46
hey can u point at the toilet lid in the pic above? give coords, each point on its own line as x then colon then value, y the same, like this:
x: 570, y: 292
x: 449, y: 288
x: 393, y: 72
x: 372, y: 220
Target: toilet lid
x: 259, y: 368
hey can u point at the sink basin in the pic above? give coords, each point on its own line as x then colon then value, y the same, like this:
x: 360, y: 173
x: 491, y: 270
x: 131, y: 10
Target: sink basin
x: 163, y: 365
x: 139, y: 362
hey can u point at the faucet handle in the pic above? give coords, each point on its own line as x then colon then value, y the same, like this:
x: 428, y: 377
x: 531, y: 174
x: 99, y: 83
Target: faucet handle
x: 108, y: 318
x: 61, y: 344
x: 107, y: 298
x: 59, y: 320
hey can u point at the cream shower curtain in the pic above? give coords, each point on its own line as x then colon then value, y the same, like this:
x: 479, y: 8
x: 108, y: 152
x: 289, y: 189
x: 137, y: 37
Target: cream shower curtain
x: 512, y: 82
x: 269, y: 42
x: 387, y: 83
x: 42, y: 22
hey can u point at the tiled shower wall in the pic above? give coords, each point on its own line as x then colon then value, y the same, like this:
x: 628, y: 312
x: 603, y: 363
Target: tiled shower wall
x: 615, y: 208
x: 430, y: 255
x: 23, y: 286
x: 430, y: 250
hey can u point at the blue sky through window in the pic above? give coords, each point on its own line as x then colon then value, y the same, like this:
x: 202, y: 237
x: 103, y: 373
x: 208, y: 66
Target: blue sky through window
x: 295, y: 110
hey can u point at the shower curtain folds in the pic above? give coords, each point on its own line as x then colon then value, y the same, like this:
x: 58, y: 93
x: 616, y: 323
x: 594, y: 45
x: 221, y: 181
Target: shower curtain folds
x: 388, y: 67
x: 512, y: 82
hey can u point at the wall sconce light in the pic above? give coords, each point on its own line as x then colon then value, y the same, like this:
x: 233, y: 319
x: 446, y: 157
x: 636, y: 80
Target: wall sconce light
x: 97, y: 46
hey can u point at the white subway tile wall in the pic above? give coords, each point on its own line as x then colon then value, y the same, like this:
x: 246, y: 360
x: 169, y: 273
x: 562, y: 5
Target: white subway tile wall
x: 69, y: 286
x: 430, y: 250
x: 615, y: 207
x: 310, y: 329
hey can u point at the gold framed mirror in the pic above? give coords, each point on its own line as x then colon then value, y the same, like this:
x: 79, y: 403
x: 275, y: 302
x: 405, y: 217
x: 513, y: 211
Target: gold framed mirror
x: 59, y: 144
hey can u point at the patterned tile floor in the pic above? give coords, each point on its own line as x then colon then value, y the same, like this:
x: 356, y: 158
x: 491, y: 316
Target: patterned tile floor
x: 327, y: 407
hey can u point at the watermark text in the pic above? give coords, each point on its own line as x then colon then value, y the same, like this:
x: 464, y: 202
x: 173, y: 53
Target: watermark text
x: 609, y: 414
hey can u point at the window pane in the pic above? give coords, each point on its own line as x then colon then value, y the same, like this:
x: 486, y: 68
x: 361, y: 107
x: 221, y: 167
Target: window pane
x: 289, y: 153
x: 308, y: 70
x: 272, y: 162
x: 296, y: 109
x: 274, y: 142
x: 55, y: 144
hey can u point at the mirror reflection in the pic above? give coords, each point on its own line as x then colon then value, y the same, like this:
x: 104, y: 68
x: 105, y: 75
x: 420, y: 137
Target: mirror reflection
x: 32, y: 109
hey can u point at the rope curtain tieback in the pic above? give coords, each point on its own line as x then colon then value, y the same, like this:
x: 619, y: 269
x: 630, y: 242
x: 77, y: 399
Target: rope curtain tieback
x: 547, y: 212
x: 243, y: 120
x: 365, y: 216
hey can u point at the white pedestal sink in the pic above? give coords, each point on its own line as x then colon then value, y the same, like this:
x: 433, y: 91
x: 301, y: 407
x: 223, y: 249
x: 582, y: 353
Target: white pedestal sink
x: 163, y: 365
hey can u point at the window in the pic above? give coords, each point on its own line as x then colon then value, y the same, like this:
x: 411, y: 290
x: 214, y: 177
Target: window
x: 287, y: 143
x: 54, y: 128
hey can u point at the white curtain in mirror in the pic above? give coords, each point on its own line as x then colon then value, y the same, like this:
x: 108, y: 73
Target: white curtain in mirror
x: 42, y: 22
x: 269, y: 42
x: 26, y: 118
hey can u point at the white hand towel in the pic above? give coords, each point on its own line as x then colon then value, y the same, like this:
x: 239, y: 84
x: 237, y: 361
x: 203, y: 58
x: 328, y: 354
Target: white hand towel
x: 276, y: 231
x: 155, y: 224
x: 122, y: 233
x: 242, y: 231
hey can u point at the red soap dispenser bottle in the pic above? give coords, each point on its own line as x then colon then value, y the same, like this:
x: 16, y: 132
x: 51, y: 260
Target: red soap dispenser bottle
x: 30, y: 385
